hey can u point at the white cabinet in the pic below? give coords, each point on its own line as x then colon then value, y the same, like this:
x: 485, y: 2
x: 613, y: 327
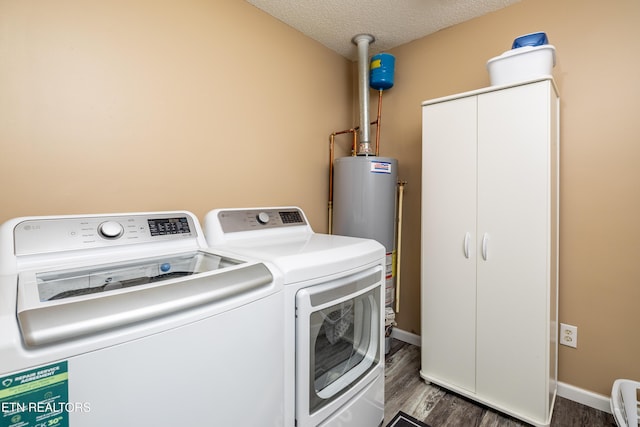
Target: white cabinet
x: 490, y: 246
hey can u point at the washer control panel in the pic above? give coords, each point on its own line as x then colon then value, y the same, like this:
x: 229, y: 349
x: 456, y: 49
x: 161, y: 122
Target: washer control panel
x: 257, y: 219
x: 46, y: 235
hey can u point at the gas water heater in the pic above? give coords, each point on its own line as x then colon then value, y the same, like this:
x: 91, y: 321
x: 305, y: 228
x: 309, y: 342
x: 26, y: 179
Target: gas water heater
x: 365, y: 184
x: 364, y: 205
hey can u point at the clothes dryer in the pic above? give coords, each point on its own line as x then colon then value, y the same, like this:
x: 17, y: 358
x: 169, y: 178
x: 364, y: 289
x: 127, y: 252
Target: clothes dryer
x: 334, y: 312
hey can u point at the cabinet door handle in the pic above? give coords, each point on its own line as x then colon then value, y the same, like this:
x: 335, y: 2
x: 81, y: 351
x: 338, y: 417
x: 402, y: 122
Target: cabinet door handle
x: 485, y: 244
x: 467, y: 236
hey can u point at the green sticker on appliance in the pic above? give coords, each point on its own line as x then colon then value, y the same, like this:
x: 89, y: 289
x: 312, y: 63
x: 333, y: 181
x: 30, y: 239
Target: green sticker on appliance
x: 36, y: 398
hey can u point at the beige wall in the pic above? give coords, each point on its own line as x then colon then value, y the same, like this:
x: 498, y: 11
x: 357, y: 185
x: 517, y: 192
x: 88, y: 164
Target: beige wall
x: 133, y: 105
x: 597, y: 73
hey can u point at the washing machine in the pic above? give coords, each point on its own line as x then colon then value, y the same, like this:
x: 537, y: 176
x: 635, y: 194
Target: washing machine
x: 334, y: 312
x: 129, y: 320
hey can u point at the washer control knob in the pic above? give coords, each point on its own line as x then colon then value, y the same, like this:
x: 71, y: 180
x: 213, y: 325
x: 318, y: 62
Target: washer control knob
x: 110, y: 229
x: 262, y: 217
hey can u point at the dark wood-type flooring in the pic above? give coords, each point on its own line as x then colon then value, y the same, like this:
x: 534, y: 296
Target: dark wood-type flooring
x: 406, y: 391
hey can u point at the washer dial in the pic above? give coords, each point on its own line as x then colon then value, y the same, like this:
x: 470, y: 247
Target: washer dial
x: 110, y: 230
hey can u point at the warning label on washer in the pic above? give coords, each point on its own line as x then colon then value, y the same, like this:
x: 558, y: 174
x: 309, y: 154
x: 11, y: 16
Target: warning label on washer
x: 36, y: 398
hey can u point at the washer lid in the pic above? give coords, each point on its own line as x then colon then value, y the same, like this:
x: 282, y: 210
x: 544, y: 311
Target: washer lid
x: 208, y: 281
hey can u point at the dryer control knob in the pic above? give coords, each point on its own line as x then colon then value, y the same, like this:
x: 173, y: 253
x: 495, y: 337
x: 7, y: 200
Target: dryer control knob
x: 110, y: 230
x: 263, y: 217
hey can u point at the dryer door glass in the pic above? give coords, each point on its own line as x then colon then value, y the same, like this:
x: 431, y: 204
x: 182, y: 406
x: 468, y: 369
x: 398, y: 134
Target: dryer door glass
x: 344, y: 339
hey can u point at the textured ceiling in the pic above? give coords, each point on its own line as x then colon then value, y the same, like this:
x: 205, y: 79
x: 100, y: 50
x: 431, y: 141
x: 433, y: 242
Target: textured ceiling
x: 392, y: 22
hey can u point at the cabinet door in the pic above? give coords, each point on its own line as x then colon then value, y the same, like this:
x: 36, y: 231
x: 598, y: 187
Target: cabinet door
x: 448, y: 222
x: 513, y: 271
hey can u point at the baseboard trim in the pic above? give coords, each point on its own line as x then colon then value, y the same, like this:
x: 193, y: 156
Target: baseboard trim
x: 584, y: 397
x: 568, y: 391
x: 405, y: 336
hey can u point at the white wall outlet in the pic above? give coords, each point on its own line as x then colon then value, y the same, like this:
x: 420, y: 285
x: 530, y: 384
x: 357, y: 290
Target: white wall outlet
x: 569, y: 335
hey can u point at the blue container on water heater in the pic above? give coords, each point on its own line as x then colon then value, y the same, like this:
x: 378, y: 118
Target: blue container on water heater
x: 382, y: 68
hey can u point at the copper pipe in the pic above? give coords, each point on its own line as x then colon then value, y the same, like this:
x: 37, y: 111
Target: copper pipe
x: 354, y: 131
x: 332, y: 137
x: 354, y: 148
x: 345, y: 131
x: 378, y: 122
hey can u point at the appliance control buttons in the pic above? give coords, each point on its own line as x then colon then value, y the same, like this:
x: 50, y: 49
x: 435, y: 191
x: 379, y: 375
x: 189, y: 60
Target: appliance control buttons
x: 110, y: 229
x: 262, y: 217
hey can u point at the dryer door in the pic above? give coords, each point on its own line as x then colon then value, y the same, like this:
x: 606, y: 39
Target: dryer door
x: 339, y: 335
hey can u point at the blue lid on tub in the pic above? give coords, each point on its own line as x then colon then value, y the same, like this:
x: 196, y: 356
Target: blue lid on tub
x: 533, y: 39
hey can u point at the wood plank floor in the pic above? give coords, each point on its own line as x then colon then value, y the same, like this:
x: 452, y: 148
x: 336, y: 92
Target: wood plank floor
x: 406, y: 391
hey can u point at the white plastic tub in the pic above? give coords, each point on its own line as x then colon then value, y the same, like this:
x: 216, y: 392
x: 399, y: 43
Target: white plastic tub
x: 624, y: 404
x: 521, y: 64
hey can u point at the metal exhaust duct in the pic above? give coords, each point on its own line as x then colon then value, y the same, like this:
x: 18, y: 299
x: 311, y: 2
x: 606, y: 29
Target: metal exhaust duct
x: 363, y: 41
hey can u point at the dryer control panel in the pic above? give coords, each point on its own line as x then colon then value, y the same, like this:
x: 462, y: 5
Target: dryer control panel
x: 260, y: 218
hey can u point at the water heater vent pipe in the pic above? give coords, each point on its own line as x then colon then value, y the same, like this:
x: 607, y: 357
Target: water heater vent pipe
x: 363, y: 41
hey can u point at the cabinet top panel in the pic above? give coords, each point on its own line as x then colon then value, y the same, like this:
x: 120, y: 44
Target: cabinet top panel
x: 491, y: 89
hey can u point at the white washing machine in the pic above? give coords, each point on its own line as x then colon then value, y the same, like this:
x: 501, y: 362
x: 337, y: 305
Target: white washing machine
x: 129, y: 320
x: 334, y: 312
